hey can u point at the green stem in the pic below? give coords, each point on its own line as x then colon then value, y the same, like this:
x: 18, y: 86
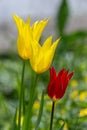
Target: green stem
x: 21, y: 97
x: 27, y: 122
x: 52, y: 113
x: 32, y: 99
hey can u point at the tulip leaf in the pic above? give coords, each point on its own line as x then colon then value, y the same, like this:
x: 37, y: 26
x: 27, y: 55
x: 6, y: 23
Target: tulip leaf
x: 40, y: 111
x: 62, y: 16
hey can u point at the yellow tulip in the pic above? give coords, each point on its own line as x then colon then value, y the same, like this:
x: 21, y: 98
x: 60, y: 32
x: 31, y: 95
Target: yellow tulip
x: 26, y: 34
x: 42, y: 56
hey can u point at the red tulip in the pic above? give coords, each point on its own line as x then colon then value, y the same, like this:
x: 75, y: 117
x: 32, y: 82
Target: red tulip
x: 58, y: 83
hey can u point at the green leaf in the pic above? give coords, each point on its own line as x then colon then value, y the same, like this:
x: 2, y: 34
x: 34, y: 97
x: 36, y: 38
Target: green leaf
x: 61, y: 128
x: 73, y: 41
x: 40, y: 111
x: 14, y: 127
x: 62, y: 16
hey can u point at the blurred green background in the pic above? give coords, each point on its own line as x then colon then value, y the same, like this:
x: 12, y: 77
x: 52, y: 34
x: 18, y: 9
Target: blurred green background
x: 71, y: 53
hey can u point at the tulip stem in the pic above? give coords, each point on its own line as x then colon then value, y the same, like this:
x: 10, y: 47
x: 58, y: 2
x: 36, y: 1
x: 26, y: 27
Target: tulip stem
x: 27, y: 124
x: 52, y: 113
x: 21, y: 97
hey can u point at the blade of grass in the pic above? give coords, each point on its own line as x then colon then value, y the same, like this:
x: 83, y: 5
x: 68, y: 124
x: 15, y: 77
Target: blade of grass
x: 40, y: 111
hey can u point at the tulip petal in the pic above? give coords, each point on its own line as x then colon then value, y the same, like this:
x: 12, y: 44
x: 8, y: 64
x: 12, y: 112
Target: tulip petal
x: 70, y: 75
x: 38, y: 27
x: 19, y: 22
x: 41, y: 58
x: 52, y: 74
x: 57, y: 85
x: 47, y: 43
x: 27, y: 35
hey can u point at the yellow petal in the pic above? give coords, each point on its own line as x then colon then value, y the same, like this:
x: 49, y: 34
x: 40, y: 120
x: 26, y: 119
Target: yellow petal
x: 48, y: 56
x: 24, y: 37
x: 41, y: 59
x: 38, y: 28
x: 47, y: 43
x: 50, y: 53
x: 23, y: 49
x: 28, y: 47
x: 28, y: 20
x: 54, y: 45
x: 35, y: 47
x: 19, y: 22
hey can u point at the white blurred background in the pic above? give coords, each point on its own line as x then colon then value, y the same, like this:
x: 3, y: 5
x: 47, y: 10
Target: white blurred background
x: 38, y: 9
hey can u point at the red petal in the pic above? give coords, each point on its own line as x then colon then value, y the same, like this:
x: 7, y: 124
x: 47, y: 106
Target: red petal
x: 70, y: 75
x: 60, y: 72
x: 58, y: 83
x: 51, y: 89
x: 64, y: 75
x: 58, y: 88
x: 52, y: 74
x: 58, y: 79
